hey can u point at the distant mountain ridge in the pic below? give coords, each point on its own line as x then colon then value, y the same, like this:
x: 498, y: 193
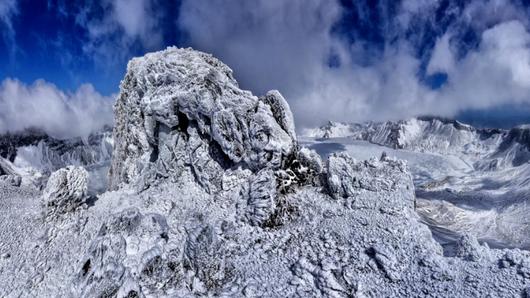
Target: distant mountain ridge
x: 33, y: 154
x: 486, y: 148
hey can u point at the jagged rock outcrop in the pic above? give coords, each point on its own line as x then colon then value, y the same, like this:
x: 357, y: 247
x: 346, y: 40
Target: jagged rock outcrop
x: 385, y: 174
x: 181, y: 108
x: 8, y: 174
x: 257, y: 214
x: 65, y: 191
x: 5, y: 167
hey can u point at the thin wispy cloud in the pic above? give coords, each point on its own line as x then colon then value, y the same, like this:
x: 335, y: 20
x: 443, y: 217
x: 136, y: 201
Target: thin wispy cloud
x: 122, y: 26
x: 8, y: 10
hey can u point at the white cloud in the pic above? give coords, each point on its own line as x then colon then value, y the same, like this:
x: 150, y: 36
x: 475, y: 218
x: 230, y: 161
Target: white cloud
x: 112, y: 35
x: 482, y: 14
x: 442, y: 59
x: 497, y: 73
x: 273, y: 44
x: 60, y: 114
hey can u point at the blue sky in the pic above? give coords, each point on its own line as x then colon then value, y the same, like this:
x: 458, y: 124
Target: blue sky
x: 343, y: 60
x: 50, y: 43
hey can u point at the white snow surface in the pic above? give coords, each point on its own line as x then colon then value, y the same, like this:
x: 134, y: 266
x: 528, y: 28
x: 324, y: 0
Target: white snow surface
x: 467, y: 180
x: 213, y: 198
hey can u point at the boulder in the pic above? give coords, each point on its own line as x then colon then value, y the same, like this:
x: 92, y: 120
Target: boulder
x: 66, y: 190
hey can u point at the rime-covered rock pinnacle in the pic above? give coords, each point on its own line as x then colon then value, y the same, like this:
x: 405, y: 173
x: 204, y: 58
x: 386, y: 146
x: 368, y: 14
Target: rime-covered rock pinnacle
x: 181, y: 107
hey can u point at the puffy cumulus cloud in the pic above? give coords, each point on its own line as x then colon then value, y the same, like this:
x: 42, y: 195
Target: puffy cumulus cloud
x: 496, y: 73
x: 283, y: 45
x: 60, y: 114
x: 291, y: 46
x: 264, y: 39
x: 8, y: 10
x: 115, y: 27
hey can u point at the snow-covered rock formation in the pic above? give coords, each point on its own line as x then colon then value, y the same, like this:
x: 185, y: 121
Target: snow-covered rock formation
x: 468, y: 180
x: 182, y: 108
x: 65, y: 191
x: 213, y: 196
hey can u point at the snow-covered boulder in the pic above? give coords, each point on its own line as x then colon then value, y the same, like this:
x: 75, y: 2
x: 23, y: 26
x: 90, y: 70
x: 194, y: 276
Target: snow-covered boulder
x: 66, y: 190
x: 468, y: 248
x: 348, y: 177
x: 130, y: 248
x: 181, y: 107
x: 13, y: 180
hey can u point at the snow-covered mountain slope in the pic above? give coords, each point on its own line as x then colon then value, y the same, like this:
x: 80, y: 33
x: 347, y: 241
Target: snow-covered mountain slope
x: 467, y: 180
x: 33, y: 155
x: 485, y: 149
x: 214, y: 196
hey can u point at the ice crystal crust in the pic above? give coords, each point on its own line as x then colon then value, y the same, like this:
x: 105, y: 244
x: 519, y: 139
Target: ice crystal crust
x: 66, y: 190
x: 229, y: 205
x: 181, y: 106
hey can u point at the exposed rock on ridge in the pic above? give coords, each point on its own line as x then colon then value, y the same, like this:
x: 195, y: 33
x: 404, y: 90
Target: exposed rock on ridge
x: 181, y: 107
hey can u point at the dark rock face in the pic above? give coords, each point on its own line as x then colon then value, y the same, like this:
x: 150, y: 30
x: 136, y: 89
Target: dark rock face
x: 9, y: 142
x: 520, y: 135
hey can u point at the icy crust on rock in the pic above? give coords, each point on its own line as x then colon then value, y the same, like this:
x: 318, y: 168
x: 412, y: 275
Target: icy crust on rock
x: 176, y: 240
x: 343, y: 182
x: 65, y: 191
x: 182, y: 107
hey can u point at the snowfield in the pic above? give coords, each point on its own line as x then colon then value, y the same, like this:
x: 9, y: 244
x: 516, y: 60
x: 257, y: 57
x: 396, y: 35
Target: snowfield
x: 467, y: 180
x: 212, y: 193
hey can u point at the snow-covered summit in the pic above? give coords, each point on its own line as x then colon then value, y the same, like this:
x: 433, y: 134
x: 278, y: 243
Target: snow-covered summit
x: 214, y: 197
x: 34, y: 155
x: 182, y: 107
